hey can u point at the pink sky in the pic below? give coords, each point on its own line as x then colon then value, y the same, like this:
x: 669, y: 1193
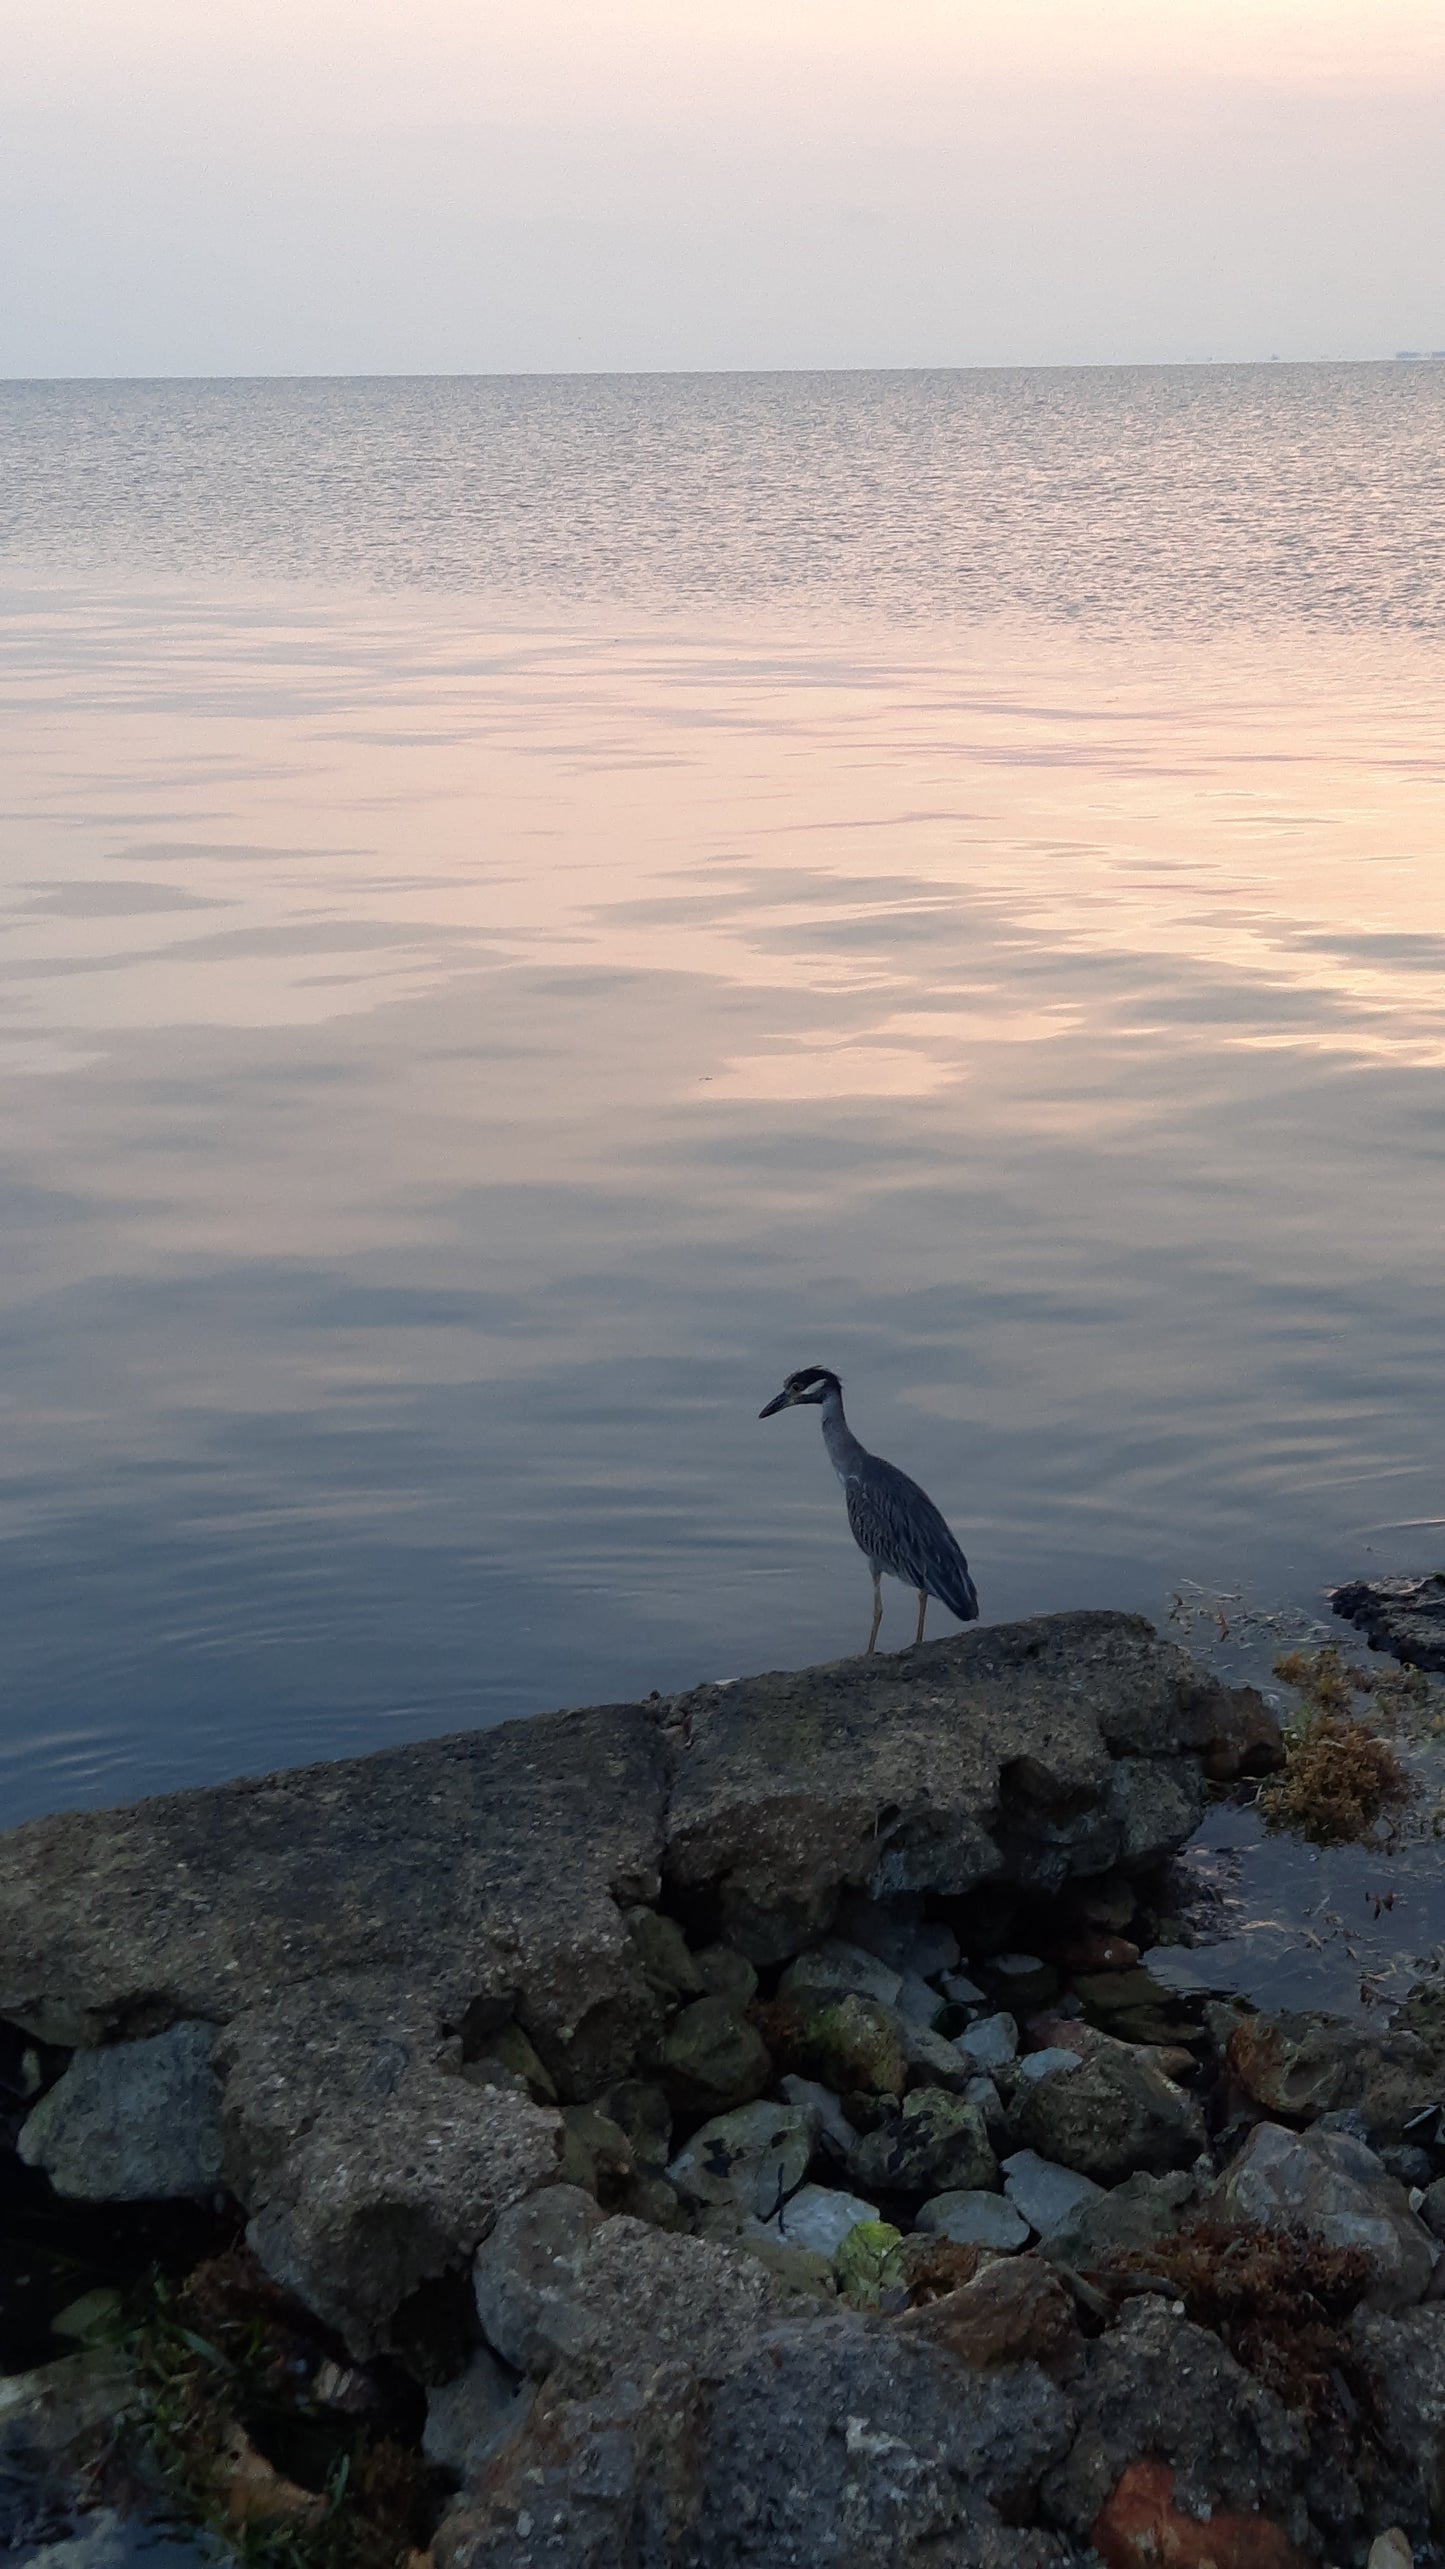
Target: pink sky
x: 341, y: 185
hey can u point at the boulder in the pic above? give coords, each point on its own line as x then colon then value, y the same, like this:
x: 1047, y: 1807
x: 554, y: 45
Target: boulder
x: 835, y: 1966
x: 471, y: 2418
x: 1130, y: 2216
x: 936, y: 2142
x: 1013, y: 2312
x: 1108, y: 2117
x: 1141, y: 2527
x: 725, y: 1973
x: 1305, y: 2066
x: 1336, y: 2189
x: 556, y: 2283
x: 989, y: 2041
x: 1403, y: 1615
x: 1045, y: 2193
x: 971, y: 2218
x: 1403, y: 2355
x: 853, y: 2045
x: 751, y: 2159
x: 820, y: 2217
x: 133, y: 2123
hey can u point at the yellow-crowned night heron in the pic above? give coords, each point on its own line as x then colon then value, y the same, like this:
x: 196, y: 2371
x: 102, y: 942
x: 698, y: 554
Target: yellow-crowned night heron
x: 895, y: 1524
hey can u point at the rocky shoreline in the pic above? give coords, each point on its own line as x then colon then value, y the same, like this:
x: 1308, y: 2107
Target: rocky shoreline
x: 736, y: 2128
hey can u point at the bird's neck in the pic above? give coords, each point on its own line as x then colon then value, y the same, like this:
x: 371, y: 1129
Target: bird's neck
x: 844, y: 1450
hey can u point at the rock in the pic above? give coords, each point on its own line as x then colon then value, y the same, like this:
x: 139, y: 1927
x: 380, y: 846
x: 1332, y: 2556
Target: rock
x: 1134, y: 2006
x: 651, y: 2198
x: 974, y: 2219
x: 852, y: 2045
x: 1158, y: 2390
x: 526, y: 2278
x: 370, y: 2166
x: 1034, y: 1750
x: 714, y: 2057
x: 961, y: 1991
x: 917, y: 2002
x: 1130, y: 2216
x: 1432, y: 2209
x: 989, y: 2041
x: 1115, y: 2114
x: 1045, y: 2194
x: 934, y: 2144
x: 1403, y: 2355
x: 898, y: 1933
x: 1310, y: 2066
x: 933, y: 2061
x: 1405, y: 1616
x: 1095, y: 1953
x: 751, y: 2159
x: 507, y: 2059
x: 1140, y: 2527
x: 827, y: 2121
x: 643, y: 2113
x: 64, y: 2410
x: 820, y: 2217
x: 1336, y: 2189
x: 868, y: 2262
x: 1043, y: 2064
x: 726, y: 1974
x: 1023, y: 1981
x: 661, y: 1949
x: 471, y: 2418
x: 596, y: 2152
x: 90, y: 2318
x: 1390, y: 2551
x: 836, y: 1966
x: 1015, y: 2312
x: 135, y: 2123
x: 608, y: 2297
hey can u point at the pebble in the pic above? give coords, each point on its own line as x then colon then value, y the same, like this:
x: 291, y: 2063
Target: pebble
x: 974, y: 2219
x: 1045, y: 2193
x: 820, y: 2217
x: 1037, y: 2065
x: 990, y: 2041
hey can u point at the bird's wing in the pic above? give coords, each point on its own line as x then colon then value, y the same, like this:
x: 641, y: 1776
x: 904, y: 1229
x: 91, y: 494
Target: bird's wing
x: 897, y: 1524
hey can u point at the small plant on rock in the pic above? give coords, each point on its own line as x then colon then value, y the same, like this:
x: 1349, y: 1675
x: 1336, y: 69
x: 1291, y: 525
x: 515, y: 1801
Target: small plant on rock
x: 1340, y: 1776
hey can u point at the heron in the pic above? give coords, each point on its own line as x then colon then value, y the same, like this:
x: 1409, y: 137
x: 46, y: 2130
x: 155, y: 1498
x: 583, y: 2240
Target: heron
x: 895, y: 1524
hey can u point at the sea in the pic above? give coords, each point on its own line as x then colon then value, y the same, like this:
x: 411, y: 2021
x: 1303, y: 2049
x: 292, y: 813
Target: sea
x: 532, y: 907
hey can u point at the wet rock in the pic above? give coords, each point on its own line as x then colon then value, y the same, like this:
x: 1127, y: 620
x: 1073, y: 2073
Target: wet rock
x: 1044, y: 2193
x: 750, y: 2159
x: 1158, y: 2389
x: 1134, y: 2006
x: 370, y: 2165
x: 819, y: 2217
x: 727, y: 1974
x: 934, y: 2144
x: 714, y: 2057
x: 989, y: 2041
x: 852, y: 2045
x: 974, y: 2219
x: 827, y: 2121
x: 1333, y: 2187
x: 1037, y: 1750
x: 835, y: 1966
x: 1140, y: 2527
x: 1112, y: 2115
x: 134, y: 2123
x: 1014, y: 2312
x: 1405, y: 1616
x: 1130, y: 2216
x: 471, y: 2418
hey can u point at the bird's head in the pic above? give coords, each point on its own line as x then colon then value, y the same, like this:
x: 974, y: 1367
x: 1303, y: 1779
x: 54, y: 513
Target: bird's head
x: 808, y: 1388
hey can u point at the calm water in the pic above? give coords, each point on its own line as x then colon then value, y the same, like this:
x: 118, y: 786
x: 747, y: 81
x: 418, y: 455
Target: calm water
x: 531, y: 908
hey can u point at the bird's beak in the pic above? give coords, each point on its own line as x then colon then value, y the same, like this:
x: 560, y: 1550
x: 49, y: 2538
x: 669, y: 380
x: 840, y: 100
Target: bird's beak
x: 783, y: 1401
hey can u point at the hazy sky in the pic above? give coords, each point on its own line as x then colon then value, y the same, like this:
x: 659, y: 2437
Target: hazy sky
x: 354, y: 186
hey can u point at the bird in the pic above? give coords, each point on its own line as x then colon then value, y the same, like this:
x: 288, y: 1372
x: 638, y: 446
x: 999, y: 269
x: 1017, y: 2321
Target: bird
x: 895, y: 1524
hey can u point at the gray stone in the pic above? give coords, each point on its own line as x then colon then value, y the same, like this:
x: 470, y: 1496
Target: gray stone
x: 641, y: 2111
x: 62, y: 2410
x: 935, y: 2143
x: 1391, y: 2550
x: 994, y: 1753
x: 1432, y: 2208
x: 1403, y: 2356
x: 556, y: 2284
x: 1403, y: 1615
x: 713, y: 2057
x: 989, y: 2041
x: 727, y: 1974
x: 1114, y: 2115
x: 1130, y: 2216
x: 661, y: 1949
x: 851, y: 2044
x: 963, y: 1992
x: 837, y: 1966
x: 1053, y: 2058
x: 972, y: 2219
x: 1333, y: 2187
x: 135, y: 2123
x: 918, y: 2002
x: 1160, y: 2386
x: 827, y: 2121
x: 526, y: 2278
x: 369, y: 2164
x: 1046, y: 2195
x: 750, y: 2158
x: 470, y: 2419
x: 898, y: 1933
x: 933, y: 2061
x: 820, y: 2217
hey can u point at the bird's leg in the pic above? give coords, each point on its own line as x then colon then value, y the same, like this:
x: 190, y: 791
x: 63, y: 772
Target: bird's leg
x: 877, y: 1611
x: 922, y: 1611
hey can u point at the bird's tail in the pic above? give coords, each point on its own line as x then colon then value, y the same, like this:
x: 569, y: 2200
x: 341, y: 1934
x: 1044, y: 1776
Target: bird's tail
x: 958, y: 1592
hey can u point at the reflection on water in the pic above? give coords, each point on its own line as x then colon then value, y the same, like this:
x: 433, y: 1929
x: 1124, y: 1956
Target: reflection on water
x: 459, y: 1058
